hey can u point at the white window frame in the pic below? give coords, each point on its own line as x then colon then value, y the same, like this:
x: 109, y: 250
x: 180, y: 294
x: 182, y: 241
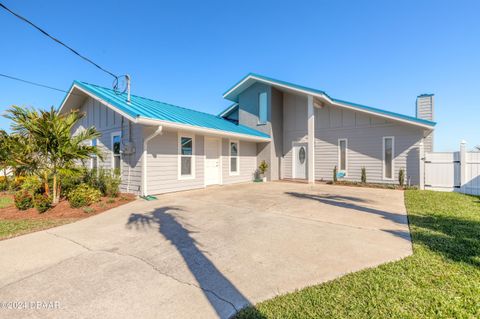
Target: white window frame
x: 393, y: 158
x: 340, y: 154
x: 230, y: 173
x: 94, y: 156
x: 266, y: 108
x: 112, y: 135
x: 179, y: 161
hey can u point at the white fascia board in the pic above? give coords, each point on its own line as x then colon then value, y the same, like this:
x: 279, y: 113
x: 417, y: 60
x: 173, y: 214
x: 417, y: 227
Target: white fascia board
x: 93, y: 96
x: 327, y: 99
x: 203, y: 130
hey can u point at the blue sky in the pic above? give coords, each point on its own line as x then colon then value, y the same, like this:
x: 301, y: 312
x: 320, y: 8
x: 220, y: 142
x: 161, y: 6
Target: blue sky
x: 378, y: 53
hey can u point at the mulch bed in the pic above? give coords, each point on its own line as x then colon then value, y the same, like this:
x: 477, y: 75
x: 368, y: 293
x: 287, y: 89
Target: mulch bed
x: 63, y: 210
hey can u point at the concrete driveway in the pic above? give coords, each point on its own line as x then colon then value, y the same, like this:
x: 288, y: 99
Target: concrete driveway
x: 203, y: 253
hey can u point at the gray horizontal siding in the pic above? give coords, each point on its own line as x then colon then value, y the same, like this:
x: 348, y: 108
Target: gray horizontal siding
x: 162, y: 164
x: 106, y: 121
x: 365, y: 141
x: 248, y: 162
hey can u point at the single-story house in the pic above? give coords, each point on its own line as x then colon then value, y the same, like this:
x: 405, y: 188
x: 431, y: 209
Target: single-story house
x: 302, y: 133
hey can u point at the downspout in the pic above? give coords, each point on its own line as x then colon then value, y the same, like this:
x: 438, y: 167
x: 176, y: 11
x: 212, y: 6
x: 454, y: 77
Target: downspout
x: 144, y: 166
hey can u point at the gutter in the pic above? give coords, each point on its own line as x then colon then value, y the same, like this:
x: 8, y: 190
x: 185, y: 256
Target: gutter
x: 144, y: 166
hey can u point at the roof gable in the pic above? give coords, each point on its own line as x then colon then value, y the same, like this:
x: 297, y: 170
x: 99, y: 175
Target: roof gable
x: 141, y: 108
x: 233, y: 93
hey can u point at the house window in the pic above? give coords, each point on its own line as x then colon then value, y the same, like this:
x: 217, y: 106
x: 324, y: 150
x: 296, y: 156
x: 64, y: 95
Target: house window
x: 234, y: 159
x: 388, y: 155
x: 94, y: 159
x: 116, y: 156
x: 186, y: 158
x: 342, y: 155
x: 262, y: 108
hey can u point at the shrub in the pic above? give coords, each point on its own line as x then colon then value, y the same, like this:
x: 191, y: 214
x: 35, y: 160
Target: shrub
x: 42, y: 202
x: 3, y: 183
x: 401, y: 177
x: 17, y: 182
x: 69, y: 183
x: 364, y: 175
x: 335, y: 174
x: 263, y: 167
x: 110, y: 184
x: 105, y: 181
x: 83, y: 195
x: 32, y: 185
x: 110, y: 201
x: 23, y: 200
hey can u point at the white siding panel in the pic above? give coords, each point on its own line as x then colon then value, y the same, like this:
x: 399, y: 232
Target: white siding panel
x: 248, y: 162
x: 162, y: 167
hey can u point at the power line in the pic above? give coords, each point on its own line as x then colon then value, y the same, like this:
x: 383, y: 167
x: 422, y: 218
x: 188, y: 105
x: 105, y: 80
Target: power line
x: 56, y: 40
x: 34, y: 83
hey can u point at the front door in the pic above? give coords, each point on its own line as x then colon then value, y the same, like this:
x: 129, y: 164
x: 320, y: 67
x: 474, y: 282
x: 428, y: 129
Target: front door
x: 212, y: 161
x: 300, y: 160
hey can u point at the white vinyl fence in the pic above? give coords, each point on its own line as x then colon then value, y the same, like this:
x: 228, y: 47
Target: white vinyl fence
x: 454, y: 171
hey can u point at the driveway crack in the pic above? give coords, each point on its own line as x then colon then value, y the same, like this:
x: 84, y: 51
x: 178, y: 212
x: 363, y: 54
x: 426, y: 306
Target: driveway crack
x: 151, y: 265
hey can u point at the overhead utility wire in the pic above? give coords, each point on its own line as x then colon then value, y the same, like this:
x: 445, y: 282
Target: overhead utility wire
x: 34, y: 83
x: 56, y: 40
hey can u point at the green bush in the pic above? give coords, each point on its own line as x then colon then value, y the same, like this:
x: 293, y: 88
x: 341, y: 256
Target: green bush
x: 23, y: 200
x: 401, y: 177
x: 105, y: 181
x: 32, y: 185
x: 83, y: 195
x: 42, y: 202
x: 4, y: 185
x: 364, y: 175
x: 69, y: 183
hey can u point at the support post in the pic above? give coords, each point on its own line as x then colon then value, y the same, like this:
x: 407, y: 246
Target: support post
x: 463, y: 165
x: 311, y: 141
x: 421, y: 168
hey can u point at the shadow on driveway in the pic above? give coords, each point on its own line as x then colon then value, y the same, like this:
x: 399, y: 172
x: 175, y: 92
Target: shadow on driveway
x: 339, y: 201
x: 215, y: 286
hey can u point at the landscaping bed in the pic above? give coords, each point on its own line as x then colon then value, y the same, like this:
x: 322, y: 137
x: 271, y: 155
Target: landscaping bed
x: 15, y: 222
x: 371, y: 185
x: 440, y: 280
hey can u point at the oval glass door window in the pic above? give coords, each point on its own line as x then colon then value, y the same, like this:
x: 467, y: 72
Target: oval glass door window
x: 301, y: 155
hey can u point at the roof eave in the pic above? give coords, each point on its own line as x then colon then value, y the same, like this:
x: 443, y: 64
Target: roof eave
x: 199, y: 129
x: 230, y: 95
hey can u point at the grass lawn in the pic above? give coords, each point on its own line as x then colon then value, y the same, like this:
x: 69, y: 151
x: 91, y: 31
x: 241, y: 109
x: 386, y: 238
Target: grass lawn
x: 440, y: 280
x: 15, y: 227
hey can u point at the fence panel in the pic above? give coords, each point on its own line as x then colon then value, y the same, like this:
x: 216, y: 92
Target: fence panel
x: 472, y: 174
x: 442, y: 171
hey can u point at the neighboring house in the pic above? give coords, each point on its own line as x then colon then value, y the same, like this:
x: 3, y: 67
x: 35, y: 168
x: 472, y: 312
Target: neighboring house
x: 302, y: 133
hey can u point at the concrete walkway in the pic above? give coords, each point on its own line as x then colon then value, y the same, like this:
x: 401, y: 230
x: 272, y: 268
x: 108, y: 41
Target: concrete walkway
x: 203, y: 253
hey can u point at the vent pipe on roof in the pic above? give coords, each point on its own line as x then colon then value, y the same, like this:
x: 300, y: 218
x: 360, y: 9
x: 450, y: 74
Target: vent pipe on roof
x: 127, y: 77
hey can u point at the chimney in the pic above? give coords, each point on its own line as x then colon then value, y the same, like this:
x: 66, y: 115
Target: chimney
x: 425, y: 112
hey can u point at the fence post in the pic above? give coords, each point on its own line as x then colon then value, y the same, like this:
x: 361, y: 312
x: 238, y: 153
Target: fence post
x: 463, y: 165
x: 421, y: 168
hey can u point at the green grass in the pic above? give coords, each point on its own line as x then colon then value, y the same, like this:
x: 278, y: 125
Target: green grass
x: 5, y: 202
x: 440, y: 280
x: 15, y: 227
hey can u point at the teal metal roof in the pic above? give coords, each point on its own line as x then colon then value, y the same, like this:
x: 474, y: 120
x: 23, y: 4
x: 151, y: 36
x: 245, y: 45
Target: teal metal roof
x: 156, y: 110
x: 315, y: 91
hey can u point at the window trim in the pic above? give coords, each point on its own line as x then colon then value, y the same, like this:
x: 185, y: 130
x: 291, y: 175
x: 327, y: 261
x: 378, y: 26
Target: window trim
x: 112, y: 135
x: 259, y: 108
x: 393, y: 158
x: 340, y: 154
x: 179, y: 156
x: 230, y: 173
x: 94, y: 156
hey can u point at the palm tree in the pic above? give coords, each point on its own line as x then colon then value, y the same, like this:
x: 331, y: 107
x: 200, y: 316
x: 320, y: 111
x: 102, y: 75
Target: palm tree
x: 51, y: 148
